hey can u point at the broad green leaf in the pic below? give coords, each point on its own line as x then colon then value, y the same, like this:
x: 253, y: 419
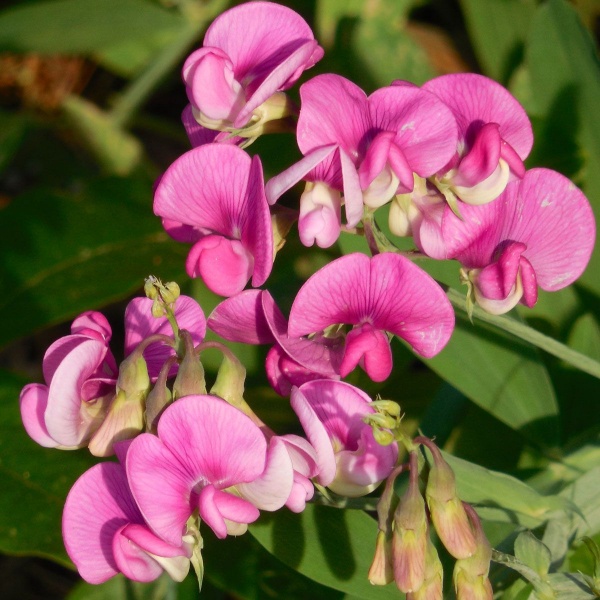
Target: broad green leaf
x: 86, y: 26
x: 164, y: 588
x: 503, y: 492
x: 498, y: 29
x: 35, y: 482
x: 584, y: 492
x: 565, y: 79
x: 61, y: 254
x: 533, y: 553
x: 570, y: 586
x: 503, y: 376
x: 331, y: 546
x: 585, y: 336
x: 365, y: 36
x: 258, y: 574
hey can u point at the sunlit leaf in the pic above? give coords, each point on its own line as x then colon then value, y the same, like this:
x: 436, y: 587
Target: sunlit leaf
x: 332, y: 546
x: 498, y: 31
x: 565, y: 80
x: 503, y: 376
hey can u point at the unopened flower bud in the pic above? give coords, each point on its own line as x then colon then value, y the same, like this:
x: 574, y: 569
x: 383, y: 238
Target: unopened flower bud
x: 383, y: 437
x: 190, y: 376
x: 409, y: 541
x: 282, y: 219
x: 387, y: 406
x: 432, y: 588
x: 447, y: 512
x: 170, y: 292
x: 231, y: 377
x: 471, y: 574
x: 125, y: 416
x: 158, y: 399
x: 381, y: 571
x: 150, y: 287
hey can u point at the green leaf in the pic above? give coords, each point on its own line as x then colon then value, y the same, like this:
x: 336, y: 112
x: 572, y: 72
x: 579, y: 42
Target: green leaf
x: 331, y: 546
x: 120, y: 588
x: 533, y: 553
x: 498, y: 30
x: 565, y: 79
x: 518, y: 501
x: 570, y: 586
x: 585, y: 493
x: 35, y: 482
x: 86, y: 26
x: 258, y: 574
x: 365, y: 35
x: 61, y: 254
x: 585, y: 336
x: 503, y: 376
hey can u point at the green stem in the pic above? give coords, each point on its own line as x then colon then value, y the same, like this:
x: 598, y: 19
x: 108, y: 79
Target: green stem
x: 369, y: 504
x: 524, y: 332
x: 196, y: 14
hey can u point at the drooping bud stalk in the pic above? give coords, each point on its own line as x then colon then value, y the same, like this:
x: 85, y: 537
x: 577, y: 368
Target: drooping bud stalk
x: 381, y: 571
x: 446, y: 509
x: 125, y: 416
x: 433, y: 583
x: 159, y: 397
x: 471, y: 574
x: 409, y: 542
x: 190, y: 376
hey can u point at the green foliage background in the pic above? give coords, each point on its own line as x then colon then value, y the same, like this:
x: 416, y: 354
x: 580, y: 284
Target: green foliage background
x: 77, y: 232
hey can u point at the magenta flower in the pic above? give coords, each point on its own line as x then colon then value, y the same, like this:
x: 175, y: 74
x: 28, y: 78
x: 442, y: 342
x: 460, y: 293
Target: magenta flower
x: 367, y: 148
x: 251, y: 53
x: 374, y: 295
x: 494, y: 136
x: 539, y: 232
x: 252, y: 317
x: 105, y: 533
x: 213, y: 196
x: 81, y: 375
x: 204, y: 451
x: 140, y: 325
x: 350, y: 460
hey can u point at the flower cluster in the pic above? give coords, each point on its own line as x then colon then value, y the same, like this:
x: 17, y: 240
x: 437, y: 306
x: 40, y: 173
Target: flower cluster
x: 447, y: 160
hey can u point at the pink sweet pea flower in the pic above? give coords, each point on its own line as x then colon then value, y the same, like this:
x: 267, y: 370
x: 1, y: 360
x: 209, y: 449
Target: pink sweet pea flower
x: 70, y: 410
x: 366, y: 147
x: 250, y: 55
x: 80, y: 373
x: 252, y: 317
x: 205, y: 449
x: 494, y: 132
x: 539, y: 232
x: 351, y: 461
x: 213, y: 196
x: 105, y: 533
x: 384, y: 293
x: 140, y: 325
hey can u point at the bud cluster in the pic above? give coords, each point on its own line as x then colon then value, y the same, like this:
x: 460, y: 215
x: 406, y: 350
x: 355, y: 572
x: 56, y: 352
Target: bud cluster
x: 404, y: 550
